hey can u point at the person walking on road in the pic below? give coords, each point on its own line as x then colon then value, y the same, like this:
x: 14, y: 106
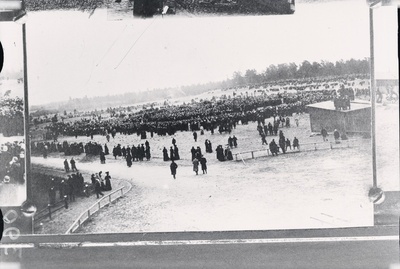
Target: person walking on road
x: 173, y: 168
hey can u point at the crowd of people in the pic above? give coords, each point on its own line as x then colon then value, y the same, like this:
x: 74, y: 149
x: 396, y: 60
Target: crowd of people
x: 222, y: 115
x: 74, y: 148
x: 68, y: 188
x: 101, y: 184
x: 130, y: 154
x: 12, y: 162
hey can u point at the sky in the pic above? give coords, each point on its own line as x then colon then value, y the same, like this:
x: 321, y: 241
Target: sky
x: 73, y: 55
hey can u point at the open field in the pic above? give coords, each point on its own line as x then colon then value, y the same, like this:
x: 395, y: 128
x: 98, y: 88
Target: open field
x: 325, y: 188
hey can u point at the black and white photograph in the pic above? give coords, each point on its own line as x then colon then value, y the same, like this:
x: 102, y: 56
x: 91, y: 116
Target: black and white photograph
x: 262, y: 123
x: 12, y: 141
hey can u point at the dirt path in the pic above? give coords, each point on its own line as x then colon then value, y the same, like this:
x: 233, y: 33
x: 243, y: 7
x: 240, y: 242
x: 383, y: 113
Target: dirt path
x: 63, y: 218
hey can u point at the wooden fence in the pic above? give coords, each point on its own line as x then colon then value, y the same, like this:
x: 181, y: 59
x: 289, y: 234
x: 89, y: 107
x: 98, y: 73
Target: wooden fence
x: 105, y: 200
x: 253, y: 154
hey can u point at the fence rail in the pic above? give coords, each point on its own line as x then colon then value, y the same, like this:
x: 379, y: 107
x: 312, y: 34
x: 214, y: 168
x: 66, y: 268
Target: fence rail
x: 253, y: 154
x: 106, y: 200
x: 50, y: 209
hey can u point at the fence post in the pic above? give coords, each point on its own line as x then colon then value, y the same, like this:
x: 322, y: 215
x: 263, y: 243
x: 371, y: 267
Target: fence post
x: 109, y: 198
x: 122, y: 191
x: 88, y: 213
x: 331, y: 145
x: 252, y: 154
x: 98, y: 205
x: 49, y: 207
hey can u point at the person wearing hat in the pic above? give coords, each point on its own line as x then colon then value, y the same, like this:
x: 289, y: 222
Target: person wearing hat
x: 108, y: 182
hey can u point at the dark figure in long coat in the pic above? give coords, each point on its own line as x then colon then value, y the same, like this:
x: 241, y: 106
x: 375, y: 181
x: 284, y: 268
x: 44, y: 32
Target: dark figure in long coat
x: 115, y: 152
x: 165, y: 154
x: 129, y: 160
x: 102, y: 158
x: 106, y: 151
x: 148, y: 155
x: 324, y: 134
x: 97, y: 189
x: 296, y: 143
x: 193, y: 151
x: 176, y: 153
x: 73, y: 166
x: 66, y: 166
x: 195, y: 136
x: 230, y: 142
x: 203, y: 162
x: 273, y: 147
x: 336, y: 135
x: 171, y: 153
x: 282, y: 144
x: 108, y: 182
x: 173, y: 168
x: 93, y: 179
x: 234, y: 140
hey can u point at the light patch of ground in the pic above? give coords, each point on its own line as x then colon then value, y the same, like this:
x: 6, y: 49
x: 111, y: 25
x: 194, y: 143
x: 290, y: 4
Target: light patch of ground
x: 324, y: 188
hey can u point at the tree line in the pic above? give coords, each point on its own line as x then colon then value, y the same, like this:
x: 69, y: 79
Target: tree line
x: 251, y: 77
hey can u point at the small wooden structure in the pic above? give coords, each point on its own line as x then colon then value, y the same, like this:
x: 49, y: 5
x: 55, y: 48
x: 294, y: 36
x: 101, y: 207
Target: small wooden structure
x: 357, y: 119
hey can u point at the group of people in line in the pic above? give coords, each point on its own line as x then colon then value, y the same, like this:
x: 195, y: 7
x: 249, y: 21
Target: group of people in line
x: 173, y: 152
x: 131, y: 154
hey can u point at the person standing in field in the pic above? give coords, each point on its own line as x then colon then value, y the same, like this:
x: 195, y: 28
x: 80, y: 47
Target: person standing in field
x: 196, y: 166
x: 66, y: 166
x: 97, y: 189
x: 173, y: 168
x: 195, y: 136
x: 73, y: 166
x: 336, y: 135
x: 203, y: 162
x: 324, y: 134
x: 296, y: 143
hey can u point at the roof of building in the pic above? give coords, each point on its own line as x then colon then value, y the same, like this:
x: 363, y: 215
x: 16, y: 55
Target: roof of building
x: 328, y: 105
